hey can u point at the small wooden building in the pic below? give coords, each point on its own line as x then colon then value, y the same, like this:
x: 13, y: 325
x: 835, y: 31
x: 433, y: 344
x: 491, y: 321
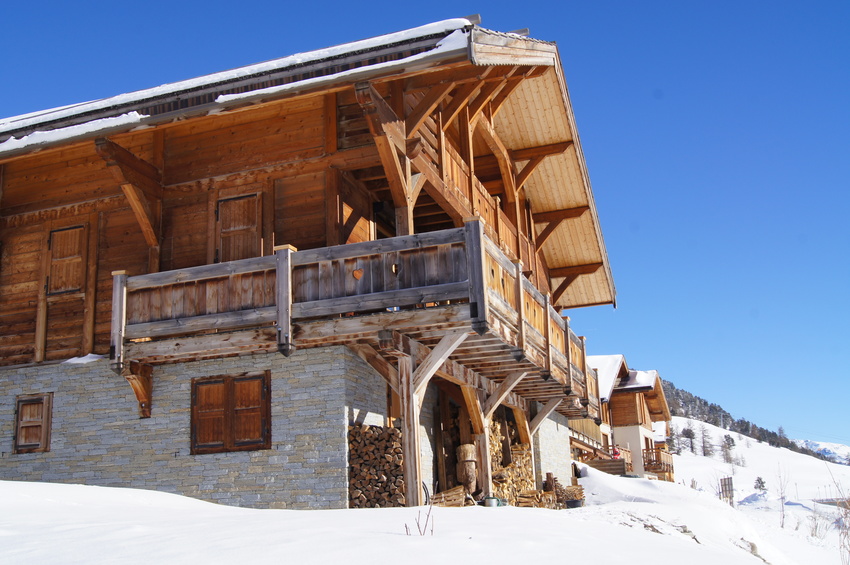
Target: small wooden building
x: 291, y: 263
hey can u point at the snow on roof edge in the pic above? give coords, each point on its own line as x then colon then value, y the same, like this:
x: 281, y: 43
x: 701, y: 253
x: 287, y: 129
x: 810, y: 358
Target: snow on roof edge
x: 452, y: 42
x: 33, y: 118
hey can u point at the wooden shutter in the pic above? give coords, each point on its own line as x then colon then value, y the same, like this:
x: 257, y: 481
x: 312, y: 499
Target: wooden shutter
x: 239, y: 234
x: 209, y: 406
x: 249, y: 414
x: 66, y: 263
x: 32, y: 432
x: 231, y: 413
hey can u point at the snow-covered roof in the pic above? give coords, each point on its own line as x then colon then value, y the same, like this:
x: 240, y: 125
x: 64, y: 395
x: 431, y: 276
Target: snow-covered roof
x: 607, y: 367
x: 639, y: 380
x: 215, y: 92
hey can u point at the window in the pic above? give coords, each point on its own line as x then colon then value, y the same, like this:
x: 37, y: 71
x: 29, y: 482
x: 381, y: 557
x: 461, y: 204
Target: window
x: 231, y: 413
x: 32, y: 423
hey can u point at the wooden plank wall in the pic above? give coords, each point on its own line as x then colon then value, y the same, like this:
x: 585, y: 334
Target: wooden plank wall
x: 201, y: 160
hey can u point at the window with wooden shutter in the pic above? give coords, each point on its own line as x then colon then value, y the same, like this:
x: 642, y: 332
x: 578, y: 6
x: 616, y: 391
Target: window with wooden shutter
x: 32, y: 428
x: 231, y: 413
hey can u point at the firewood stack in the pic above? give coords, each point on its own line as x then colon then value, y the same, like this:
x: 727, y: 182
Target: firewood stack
x: 517, y: 477
x: 376, y: 476
x: 562, y: 493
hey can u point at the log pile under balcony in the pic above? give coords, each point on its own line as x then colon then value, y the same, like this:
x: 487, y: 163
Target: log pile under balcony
x: 510, y: 480
x: 376, y: 477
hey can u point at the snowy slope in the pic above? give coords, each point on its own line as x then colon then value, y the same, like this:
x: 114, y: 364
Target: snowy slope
x: 837, y: 452
x: 625, y: 518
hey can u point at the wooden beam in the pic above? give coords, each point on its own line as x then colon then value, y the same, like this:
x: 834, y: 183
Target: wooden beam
x: 521, y: 420
x: 478, y: 295
x: 438, y: 355
x: 503, y: 157
x: 504, y: 388
x: 119, y: 320
x: 587, y: 269
x: 526, y: 171
x: 499, y: 100
x: 459, y: 101
x: 476, y: 107
x: 388, y: 132
x: 426, y: 107
x: 473, y: 405
x: 541, y: 150
x: 141, y: 184
x: 283, y: 265
x: 543, y: 414
x: 140, y: 378
x: 558, y: 215
x: 377, y: 362
x: 330, y: 125
x: 410, y: 442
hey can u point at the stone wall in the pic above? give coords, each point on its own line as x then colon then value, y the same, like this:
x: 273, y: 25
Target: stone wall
x: 552, y: 449
x: 98, y: 439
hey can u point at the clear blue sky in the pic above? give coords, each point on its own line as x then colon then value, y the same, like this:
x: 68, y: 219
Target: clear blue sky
x: 717, y: 136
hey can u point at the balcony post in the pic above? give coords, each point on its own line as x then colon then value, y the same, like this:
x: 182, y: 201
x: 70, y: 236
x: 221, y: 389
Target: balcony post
x: 119, y: 320
x: 283, y: 260
x: 547, y: 337
x: 519, y: 352
x: 477, y: 269
x: 411, y: 444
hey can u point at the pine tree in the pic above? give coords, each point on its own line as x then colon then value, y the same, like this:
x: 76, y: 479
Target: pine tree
x: 705, y: 440
x: 688, y: 434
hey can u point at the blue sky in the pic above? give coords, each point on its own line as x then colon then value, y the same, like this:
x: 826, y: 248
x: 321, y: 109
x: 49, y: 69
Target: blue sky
x: 717, y: 136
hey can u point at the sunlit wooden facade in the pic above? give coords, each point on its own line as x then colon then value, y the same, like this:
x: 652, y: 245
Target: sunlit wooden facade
x: 420, y: 199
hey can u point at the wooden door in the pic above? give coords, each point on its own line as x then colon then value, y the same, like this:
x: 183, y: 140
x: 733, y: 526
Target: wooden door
x: 238, y: 228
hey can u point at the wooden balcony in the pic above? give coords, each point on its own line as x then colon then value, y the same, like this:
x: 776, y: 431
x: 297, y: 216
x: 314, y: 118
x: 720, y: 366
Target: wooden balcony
x: 420, y: 286
x: 657, y: 461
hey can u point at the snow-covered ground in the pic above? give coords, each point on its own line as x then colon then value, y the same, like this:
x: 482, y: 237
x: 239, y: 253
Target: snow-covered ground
x: 625, y: 519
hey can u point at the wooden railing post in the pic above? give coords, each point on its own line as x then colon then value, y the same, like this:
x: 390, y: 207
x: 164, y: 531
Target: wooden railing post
x: 519, y: 352
x: 283, y: 301
x: 477, y: 269
x: 547, y: 337
x: 119, y: 320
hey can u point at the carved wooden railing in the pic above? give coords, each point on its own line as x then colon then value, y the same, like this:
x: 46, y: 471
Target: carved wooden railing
x: 657, y: 461
x: 456, y: 265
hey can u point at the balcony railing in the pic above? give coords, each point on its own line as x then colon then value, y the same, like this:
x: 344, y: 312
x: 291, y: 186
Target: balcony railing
x: 437, y: 280
x: 657, y: 461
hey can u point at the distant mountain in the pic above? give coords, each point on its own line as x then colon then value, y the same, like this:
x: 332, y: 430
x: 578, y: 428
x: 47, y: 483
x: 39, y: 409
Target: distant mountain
x: 835, y: 452
x: 683, y: 403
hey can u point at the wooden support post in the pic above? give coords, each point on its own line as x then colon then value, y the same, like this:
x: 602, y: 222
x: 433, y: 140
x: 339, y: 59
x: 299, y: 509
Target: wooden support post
x: 283, y: 256
x: 519, y: 352
x: 522, y: 425
x: 485, y: 466
x: 543, y: 414
x: 140, y: 377
x: 119, y: 320
x: 547, y: 337
x: 438, y: 355
x: 90, y: 300
x: 411, y: 444
x: 475, y: 254
x: 505, y: 387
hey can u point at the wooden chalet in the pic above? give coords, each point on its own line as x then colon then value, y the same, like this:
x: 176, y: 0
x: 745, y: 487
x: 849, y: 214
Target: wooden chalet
x: 415, y: 204
x: 634, y: 420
